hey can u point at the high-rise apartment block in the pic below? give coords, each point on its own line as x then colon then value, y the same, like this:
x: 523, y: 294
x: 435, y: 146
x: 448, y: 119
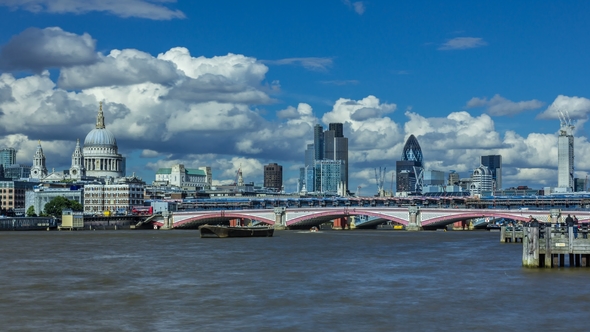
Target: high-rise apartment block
x: 494, y: 164
x: 273, y: 176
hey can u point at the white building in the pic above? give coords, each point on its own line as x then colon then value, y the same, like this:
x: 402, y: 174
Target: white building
x: 117, y: 196
x: 39, y: 169
x: 100, y: 152
x: 182, y: 177
x: 99, y: 158
x: 481, y: 180
x: 40, y: 196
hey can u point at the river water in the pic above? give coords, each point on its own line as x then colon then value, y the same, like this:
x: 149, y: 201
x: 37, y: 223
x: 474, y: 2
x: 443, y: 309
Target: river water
x: 295, y: 281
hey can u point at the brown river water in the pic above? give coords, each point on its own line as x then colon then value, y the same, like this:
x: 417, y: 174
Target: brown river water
x: 295, y: 281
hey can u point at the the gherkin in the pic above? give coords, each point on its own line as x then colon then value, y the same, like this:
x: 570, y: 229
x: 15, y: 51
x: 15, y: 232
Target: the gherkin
x: 412, y: 151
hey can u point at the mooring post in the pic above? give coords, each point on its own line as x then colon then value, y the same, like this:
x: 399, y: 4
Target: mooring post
x: 548, y: 254
x: 503, y: 234
x: 530, y: 246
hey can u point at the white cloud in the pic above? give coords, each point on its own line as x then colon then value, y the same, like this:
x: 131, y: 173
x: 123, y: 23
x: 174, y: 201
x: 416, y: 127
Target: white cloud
x: 149, y: 9
x: 357, y: 6
x: 38, y: 49
x: 315, y: 64
x: 575, y: 107
x: 119, y: 68
x: 219, y: 125
x: 147, y: 153
x: 500, y: 106
x: 461, y: 43
x: 372, y: 135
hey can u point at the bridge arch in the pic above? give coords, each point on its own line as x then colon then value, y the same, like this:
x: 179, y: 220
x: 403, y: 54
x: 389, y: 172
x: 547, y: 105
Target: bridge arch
x: 449, y: 219
x: 325, y: 216
x: 218, y: 217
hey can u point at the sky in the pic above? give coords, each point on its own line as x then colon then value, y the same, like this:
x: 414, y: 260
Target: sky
x: 240, y: 84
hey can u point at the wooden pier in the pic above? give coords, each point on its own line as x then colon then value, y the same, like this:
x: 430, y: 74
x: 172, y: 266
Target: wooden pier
x: 551, y: 246
x: 511, y: 234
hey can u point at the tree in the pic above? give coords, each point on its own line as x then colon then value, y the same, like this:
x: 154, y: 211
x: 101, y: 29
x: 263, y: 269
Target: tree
x: 31, y: 211
x: 56, y: 205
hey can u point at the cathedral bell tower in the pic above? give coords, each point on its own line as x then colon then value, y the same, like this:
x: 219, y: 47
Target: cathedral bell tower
x: 39, y: 170
x: 77, y: 171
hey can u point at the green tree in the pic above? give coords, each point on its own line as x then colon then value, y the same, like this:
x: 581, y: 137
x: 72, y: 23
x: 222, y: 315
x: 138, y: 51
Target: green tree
x: 56, y: 205
x: 31, y: 211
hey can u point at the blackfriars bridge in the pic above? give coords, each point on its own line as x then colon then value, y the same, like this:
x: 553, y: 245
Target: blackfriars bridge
x: 411, y: 217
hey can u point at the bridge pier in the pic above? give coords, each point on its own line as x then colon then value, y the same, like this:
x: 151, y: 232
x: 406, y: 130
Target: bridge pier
x: 280, y: 218
x: 168, y: 220
x: 415, y: 221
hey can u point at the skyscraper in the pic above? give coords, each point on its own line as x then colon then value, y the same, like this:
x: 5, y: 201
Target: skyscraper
x: 336, y: 147
x: 330, y: 152
x: 309, y: 155
x: 338, y: 128
x: 494, y: 164
x: 318, y: 142
x: 273, y: 176
x: 7, y: 157
x: 406, y: 168
x: 565, y: 157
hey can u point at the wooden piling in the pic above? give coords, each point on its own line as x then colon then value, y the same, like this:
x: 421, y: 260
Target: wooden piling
x: 530, y: 247
x: 552, y: 248
x: 548, y: 254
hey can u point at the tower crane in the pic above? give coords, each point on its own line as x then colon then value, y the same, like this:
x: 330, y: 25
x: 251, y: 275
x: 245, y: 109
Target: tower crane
x: 565, y: 122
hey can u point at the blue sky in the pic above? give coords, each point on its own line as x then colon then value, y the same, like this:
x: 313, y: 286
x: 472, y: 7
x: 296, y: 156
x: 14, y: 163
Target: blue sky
x: 230, y: 83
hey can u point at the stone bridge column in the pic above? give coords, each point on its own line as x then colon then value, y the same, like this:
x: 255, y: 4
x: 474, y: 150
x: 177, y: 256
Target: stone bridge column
x: 415, y: 221
x: 168, y: 220
x: 280, y: 218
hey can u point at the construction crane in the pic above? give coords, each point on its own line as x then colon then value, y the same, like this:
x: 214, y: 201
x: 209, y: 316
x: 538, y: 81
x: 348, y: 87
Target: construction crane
x: 379, y: 179
x: 565, y: 122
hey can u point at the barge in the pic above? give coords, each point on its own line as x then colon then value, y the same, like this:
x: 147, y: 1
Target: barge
x: 225, y: 231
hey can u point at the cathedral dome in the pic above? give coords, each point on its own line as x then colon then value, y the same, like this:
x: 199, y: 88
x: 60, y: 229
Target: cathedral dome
x: 100, y: 137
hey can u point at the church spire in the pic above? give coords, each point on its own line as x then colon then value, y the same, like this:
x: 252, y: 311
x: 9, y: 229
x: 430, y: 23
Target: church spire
x: 100, y: 118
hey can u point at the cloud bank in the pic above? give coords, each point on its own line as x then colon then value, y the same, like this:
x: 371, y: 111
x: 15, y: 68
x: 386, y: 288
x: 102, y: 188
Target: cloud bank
x: 148, y: 9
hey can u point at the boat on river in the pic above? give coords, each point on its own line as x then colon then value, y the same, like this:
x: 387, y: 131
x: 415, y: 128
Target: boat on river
x: 227, y: 231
